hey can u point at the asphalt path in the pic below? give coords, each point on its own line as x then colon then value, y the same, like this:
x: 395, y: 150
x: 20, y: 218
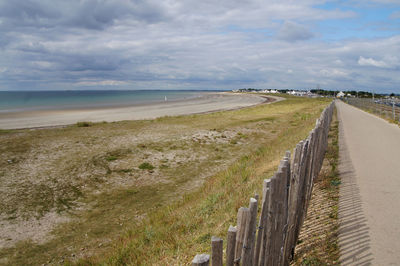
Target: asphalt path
x: 369, y: 202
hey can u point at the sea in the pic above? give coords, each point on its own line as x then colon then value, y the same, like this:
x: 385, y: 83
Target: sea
x: 16, y: 101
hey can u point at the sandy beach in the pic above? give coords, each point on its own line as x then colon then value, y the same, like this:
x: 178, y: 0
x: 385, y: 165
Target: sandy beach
x: 208, y: 103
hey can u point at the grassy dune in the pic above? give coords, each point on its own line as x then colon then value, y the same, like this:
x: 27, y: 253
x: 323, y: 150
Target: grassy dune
x: 142, y: 192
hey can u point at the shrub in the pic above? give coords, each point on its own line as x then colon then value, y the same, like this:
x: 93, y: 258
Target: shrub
x: 83, y: 124
x: 146, y: 166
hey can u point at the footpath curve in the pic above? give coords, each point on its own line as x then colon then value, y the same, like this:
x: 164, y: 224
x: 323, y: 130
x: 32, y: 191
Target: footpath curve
x: 369, y: 211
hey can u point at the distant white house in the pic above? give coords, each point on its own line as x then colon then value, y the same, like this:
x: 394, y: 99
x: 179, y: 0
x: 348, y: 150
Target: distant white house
x: 300, y: 93
x: 340, y: 94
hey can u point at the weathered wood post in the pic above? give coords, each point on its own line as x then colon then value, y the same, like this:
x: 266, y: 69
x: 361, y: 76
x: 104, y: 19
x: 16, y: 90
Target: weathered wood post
x: 248, y: 244
x: 260, y: 247
x: 302, y: 188
x: 292, y: 204
x: 230, y: 246
x: 201, y: 260
x: 217, y: 251
x: 286, y: 186
x: 281, y: 212
x: 271, y: 228
x: 277, y: 239
x: 242, y: 218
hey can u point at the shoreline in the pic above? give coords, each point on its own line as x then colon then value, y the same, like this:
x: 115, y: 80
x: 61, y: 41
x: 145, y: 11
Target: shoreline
x: 211, y: 102
x: 96, y: 106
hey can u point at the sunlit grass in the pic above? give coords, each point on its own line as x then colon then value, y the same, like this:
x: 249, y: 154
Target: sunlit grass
x: 157, y: 222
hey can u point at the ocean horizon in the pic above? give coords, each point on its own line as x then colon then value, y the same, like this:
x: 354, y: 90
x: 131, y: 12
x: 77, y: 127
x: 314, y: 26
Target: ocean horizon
x: 16, y: 101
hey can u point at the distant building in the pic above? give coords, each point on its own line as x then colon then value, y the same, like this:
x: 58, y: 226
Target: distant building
x: 340, y: 94
x: 301, y: 93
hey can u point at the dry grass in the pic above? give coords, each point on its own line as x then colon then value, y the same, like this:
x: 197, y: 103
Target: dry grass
x: 205, y: 167
x: 318, y: 241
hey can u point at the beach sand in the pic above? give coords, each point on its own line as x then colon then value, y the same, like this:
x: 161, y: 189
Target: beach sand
x: 48, y: 118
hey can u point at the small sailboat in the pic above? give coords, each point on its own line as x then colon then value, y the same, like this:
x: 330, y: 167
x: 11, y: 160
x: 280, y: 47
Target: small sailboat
x: 165, y: 98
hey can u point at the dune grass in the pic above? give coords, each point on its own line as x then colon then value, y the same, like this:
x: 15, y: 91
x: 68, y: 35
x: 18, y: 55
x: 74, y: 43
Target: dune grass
x: 204, y: 167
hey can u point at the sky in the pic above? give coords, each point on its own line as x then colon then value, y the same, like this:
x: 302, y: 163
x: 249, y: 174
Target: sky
x: 192, y: 44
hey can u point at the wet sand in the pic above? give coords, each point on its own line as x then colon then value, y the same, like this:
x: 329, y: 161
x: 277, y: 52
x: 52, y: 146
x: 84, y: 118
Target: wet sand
x: 208, y: 103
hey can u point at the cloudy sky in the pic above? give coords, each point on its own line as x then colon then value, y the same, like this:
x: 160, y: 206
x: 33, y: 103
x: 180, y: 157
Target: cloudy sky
x: 199, y: 44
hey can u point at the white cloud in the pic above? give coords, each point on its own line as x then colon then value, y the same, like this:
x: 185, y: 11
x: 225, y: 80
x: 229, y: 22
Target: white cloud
x: 333, y: 73
x: 371, y: 62
x: 101, y: 83
x: 338, y: 62
x: 42, y: 64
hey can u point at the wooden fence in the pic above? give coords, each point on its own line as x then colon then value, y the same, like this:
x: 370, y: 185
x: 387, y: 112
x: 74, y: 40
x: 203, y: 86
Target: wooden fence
x: 272, y: 239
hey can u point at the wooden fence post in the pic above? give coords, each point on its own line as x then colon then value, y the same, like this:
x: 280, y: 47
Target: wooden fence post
x: 216, y: 251
x: 283, y: 174
x: 276, y: 240
x: 248, y: 244
x: 292, y: 203
x: 260, y: 247
x: 265, y: 222
x: 271, y: 228
x: 201, y: 260
x: 301, y: 191
x: 242, y: 218
x: 230, y: 246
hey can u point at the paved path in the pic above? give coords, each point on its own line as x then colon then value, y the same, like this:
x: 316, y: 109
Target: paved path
x: 369, y: 205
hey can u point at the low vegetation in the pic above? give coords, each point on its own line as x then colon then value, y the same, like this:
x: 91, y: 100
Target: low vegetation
x: 139, y: 192
x: 83, y: 124
x: 146, y: 166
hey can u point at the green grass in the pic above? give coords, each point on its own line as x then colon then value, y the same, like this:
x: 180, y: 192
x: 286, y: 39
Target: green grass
x: 111, y: 158
x: 146, y: 166
x: 145, y: 221
x: 83, y: 124
x: 6, y: 131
